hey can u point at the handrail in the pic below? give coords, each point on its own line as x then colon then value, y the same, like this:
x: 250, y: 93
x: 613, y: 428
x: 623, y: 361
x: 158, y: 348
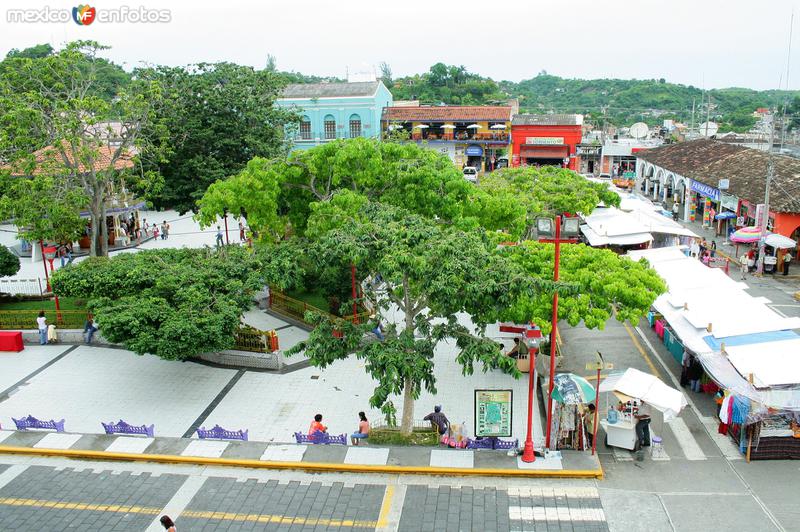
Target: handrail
x: 297, y: 309
x: 26, y: 319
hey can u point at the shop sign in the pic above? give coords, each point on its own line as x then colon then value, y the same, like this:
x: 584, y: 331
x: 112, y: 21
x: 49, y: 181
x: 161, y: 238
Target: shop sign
x: 544, y: 141
x: 729, y: 202
x: 629, y: 175
x: 588, y: 150
x: 474, y: 151
x: 724, y: 184
x: 705, y: 190
x: 493, y: 413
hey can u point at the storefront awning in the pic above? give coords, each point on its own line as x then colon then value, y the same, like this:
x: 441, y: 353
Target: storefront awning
x: 544, y: 152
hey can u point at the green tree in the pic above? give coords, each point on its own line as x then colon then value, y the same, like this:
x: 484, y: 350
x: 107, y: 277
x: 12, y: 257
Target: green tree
x: 56, y: 124
x: 34, y: 52
x: 431, y: 273
x: 175, y: 303
x: 220, y: 117
x: 9, y: 262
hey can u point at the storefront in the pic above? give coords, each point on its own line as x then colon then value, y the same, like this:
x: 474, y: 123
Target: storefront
x: 703, y: 202
x: 546, y: 140
x: 589, y: 158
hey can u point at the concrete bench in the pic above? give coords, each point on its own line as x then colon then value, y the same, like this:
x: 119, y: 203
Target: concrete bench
x: 321, y: 438
x: 31, y: 422
x: 121, y: 427
x: 218, y: 433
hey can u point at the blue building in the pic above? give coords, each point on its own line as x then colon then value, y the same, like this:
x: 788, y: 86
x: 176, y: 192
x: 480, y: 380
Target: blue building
x: 332, y: 111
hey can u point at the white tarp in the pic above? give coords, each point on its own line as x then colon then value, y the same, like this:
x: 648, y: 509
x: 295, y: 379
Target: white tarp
x: 647, y: 388
x: 772, y: 364
x: 614, y: 240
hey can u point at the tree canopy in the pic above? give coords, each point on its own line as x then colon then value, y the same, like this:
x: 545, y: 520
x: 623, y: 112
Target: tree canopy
x: 9, y: 262
x: 220, y: 117
x: 449, y: 84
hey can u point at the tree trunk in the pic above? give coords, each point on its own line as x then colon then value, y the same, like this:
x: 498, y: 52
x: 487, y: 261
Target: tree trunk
x: 103, y: 228
x: 96, y: 216
x: 407, y: 423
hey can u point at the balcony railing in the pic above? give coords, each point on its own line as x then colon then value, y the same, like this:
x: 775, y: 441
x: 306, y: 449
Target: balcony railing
x: 465, y: 136
x: 323, y: 138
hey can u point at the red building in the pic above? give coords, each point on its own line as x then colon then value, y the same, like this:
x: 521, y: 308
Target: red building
x: 546, y: 140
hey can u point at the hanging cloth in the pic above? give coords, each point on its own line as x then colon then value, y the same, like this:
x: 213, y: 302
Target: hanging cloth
x: 724, y: 412
x: 740, y: 409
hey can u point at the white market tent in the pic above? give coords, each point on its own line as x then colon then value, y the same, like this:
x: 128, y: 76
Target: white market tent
x: 776, y: 364
x: 650, y: 389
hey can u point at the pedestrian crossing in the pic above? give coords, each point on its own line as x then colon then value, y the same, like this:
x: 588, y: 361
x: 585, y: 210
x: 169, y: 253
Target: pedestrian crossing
x: 532, y: 509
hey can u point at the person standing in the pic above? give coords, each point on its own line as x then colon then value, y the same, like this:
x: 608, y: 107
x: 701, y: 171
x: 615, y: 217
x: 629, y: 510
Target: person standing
x: 219, y: 237
x: 438, y: 419
x: 41, y: 323
x: 241, y: 232
x: 588, y: 423
x: 695, y: 374
x: 743, y: 261
x: 643, y: 424
x: 675, y: 211
x: 787, y: 258
x: 363, y: 429
x: 164, y: 230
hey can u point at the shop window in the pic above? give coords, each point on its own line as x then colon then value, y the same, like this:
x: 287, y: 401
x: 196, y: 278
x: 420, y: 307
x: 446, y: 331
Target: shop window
x: 329, y: 125
x: 355, y: 126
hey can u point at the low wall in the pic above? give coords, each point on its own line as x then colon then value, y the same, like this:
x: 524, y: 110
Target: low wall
x: 66, y: 336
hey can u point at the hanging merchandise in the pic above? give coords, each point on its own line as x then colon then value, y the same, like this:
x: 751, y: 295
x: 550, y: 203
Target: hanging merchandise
x: 692, y: 207
x: 706, y: 211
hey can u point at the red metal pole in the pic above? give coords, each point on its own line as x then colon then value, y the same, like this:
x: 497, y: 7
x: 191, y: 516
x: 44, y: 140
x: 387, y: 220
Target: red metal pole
x: 527, y: 454
x: 58, y: 312
x: 44, y: 263
x: 553, y: 334
x: 355, y: 295
x: 227, y: 240
x: 596, y: 409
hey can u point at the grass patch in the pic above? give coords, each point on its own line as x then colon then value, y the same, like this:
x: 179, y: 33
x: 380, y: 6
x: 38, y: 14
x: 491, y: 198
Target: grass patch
x: 66, y: 303
x: 311, y: 297
x: 393, y: 436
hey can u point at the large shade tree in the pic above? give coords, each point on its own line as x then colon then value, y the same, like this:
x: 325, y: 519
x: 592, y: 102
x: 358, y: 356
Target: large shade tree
x: 220, y: 116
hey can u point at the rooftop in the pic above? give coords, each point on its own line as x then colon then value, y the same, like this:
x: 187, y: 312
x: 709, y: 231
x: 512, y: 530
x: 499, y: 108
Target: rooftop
x: 547, y: 120
x: 330, y: 90
x: 448, y: 113
x: 51, y: 161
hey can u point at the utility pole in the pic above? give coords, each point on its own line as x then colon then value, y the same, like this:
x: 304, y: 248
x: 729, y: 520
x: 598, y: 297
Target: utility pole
x: 691, y: 126
x: 765, y: 215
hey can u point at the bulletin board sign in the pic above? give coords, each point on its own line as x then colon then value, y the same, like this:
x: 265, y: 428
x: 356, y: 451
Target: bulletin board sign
x: 493, y: 413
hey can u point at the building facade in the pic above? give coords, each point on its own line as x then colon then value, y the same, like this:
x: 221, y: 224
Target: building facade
x: 475, y: 136
x: 331, y: 111
x: 546, y: 140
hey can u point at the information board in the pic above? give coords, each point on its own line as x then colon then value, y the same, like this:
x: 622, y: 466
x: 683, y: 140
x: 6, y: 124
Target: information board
x: 493, y: 413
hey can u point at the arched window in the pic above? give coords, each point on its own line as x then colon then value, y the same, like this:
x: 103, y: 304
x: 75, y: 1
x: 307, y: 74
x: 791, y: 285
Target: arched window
x: 305, y: 129
x: 355, y: 126
x: 330, y: 127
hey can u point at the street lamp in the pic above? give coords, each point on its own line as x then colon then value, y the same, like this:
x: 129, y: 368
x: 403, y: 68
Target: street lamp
x: 568, y: 226
x: 532, y: 339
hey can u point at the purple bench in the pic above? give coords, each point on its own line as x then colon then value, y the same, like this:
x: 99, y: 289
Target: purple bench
x: 31, y: 422
x: 121, y: 427
x: 322, y: 438
x: 492, y: 443
x: 218, y: 433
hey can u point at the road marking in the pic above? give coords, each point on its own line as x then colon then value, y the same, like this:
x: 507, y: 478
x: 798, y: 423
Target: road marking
x: 11, y: 473
x: 277, y: 519
x: 691, y: 450
x: 778, y: 311
x: 547, y: 513
x: 391, y: 508
x: 60, y: 505
x: 638, y: 346
x: 178, y: 502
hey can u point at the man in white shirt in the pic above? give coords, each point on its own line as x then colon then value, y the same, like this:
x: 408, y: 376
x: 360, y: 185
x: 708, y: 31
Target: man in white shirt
x: 643, y: 424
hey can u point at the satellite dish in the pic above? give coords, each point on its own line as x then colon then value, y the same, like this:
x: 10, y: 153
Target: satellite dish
x: 639, y: 130
x: 708, y: 129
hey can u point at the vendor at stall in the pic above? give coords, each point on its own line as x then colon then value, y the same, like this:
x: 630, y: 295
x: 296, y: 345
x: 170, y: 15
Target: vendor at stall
x: 643, y: 424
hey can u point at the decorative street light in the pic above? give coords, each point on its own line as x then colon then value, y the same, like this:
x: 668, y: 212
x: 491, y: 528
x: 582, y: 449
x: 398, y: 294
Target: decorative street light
x: 532, y: 339
x: 550, y: 230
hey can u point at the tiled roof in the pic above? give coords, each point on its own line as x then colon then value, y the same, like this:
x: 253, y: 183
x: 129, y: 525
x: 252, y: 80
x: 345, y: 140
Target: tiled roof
x: 330, y: 90
x: 547, y: 120
x: 448, y: 113
x: 708, y: 161
x: 49, y: 161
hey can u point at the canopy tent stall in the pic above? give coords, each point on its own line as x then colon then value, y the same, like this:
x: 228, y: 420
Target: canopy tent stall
x: 745, y: 348
x: 570, y: 395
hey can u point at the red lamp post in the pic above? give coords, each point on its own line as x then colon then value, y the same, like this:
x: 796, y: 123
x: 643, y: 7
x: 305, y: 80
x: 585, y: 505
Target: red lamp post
x: 49, y: 253
x: 532, y: 338
x: 225, y: 218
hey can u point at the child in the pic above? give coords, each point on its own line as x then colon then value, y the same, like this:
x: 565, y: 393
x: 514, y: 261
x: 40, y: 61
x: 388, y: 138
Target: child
x: 155, y: 231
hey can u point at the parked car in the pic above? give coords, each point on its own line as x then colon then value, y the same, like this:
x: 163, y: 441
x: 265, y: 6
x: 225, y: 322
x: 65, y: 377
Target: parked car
x: 471, y: 174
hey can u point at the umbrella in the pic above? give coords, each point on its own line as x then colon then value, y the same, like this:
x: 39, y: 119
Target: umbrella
x: 639, y: 385
x: 780, y: 242
x: 393, y: 127
x: 421, y: 126
x: 746, y: 235
x: 474, y: 126
x: 727, y: 215
x: 572, y: 389
x: 498, y: 126
x: 448, y: 126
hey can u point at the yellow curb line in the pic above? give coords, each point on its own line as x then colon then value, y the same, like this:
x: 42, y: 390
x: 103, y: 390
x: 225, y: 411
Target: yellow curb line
x: 307, y: 466
x: 638, y: 346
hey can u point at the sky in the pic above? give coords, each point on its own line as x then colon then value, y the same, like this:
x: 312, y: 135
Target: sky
x: 711, y: 43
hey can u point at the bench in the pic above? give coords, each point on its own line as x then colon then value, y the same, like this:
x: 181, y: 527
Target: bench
x: 218, y: 433
x: 492, y: 443
x: 321, y: 438
x: 31, y: 422
x: 121, y: 427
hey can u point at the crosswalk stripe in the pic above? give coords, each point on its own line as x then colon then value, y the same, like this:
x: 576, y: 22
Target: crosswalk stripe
x: 548, y: 513
x: 691, y: 450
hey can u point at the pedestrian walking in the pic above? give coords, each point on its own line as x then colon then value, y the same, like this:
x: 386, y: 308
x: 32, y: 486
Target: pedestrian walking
x: 241, y: 232
x: 164, y: 230
x: 675, y: 211
x: 167, y: 523
x: 363, y: 429
x: 41, y: 323
x: 219, y: 237
x: 787, y: 258
x: 89, y: 328
x: 743, y: 265
x: 146, y: 227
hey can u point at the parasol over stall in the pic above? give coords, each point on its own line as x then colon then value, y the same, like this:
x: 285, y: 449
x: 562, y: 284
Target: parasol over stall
x: 569, y: 388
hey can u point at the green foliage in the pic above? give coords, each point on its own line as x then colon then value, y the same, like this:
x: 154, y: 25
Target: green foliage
x: 449, y: 84
x: 603, y: 284
x: 394, y: 436
x: 34, y: 52
x: 389, y: 412
x: 220, y: 117
x: 173, y: 303
x: 9, y: 262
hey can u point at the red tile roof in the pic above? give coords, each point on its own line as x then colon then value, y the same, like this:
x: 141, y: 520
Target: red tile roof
x: 448, y: 113
x: 48, y: 160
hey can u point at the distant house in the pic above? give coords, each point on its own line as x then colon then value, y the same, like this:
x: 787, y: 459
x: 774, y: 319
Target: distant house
x: 332, y: 111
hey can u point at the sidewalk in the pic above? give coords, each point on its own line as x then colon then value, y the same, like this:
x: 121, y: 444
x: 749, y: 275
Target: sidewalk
x: 336, y: 458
